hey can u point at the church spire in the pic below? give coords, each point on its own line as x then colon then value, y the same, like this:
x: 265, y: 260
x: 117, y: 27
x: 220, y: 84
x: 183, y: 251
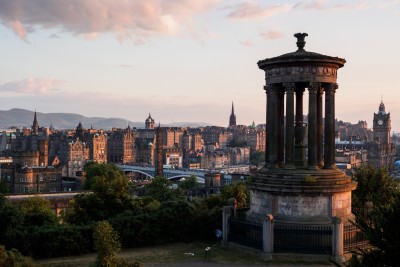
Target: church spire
x: 35, y: 125
x: 232, y: 118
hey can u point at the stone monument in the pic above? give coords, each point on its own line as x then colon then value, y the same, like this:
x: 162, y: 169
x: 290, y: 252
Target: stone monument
x: 300, y: 182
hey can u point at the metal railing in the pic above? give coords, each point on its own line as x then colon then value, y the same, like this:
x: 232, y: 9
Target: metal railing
x: 246, y: 233
x: 306, y: 239
x: 353, y: 238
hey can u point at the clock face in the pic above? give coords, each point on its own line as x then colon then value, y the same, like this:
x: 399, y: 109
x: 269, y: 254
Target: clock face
x: 380, y: 122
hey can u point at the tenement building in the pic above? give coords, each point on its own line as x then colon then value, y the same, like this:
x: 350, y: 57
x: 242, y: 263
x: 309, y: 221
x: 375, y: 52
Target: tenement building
x: 300, y: 188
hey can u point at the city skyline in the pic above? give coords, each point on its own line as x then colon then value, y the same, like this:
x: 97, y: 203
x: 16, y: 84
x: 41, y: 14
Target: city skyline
x: 187, y: 60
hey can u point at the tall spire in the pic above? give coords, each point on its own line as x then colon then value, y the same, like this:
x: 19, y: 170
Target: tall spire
x: 232, y: 118
x: 35, y: 125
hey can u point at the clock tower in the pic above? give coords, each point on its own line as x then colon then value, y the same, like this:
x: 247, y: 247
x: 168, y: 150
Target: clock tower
x: 382, y: 125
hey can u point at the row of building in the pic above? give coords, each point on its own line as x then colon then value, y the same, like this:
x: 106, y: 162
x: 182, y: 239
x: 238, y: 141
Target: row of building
x: 40, y: 159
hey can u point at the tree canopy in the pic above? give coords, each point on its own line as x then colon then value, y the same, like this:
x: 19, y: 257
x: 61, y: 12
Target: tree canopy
x: 380, y: 224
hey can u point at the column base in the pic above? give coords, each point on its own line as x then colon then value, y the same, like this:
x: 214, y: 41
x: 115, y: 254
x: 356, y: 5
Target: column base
x: 289, y: 167
x: 312, y: 168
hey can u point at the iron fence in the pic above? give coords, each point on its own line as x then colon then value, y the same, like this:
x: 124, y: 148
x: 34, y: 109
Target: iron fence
x: 306, y: 239
x: 353, y: 238
x: 246, y: 233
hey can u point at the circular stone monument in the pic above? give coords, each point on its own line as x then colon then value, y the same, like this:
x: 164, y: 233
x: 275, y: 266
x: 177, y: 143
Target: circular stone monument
x: 300, y: 182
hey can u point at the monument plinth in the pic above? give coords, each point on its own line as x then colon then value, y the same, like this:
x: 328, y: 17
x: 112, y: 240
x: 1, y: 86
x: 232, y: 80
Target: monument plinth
x: 300, y: 182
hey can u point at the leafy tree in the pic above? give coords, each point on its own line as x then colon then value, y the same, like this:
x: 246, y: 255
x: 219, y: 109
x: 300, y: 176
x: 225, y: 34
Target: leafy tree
x: 161, y: 189
x: 189, y: 183
x: 374, y: 185
x: 382, y: 230
x: 380, y: 224
x: 107, y: 244
x: 13, y: 258
x: 37, y: 212
x: 11, y: 224
x: 239, y: 191
x: 94, y: 169
x: 111, y: 195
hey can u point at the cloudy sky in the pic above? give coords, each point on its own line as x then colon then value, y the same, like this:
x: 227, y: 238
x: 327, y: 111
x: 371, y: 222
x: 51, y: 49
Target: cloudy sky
x: 187, y: 60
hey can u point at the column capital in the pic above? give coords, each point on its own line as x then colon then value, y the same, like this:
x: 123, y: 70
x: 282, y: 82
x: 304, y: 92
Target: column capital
x: 289, y: 87
x: 313, y: 87
x: 270, y: 89
x: 331, y: 88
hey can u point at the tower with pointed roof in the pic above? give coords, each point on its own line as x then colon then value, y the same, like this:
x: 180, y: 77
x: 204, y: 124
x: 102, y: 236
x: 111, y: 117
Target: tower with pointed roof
x: 35, y: 125
x: 149, y: 123
x: 382, y: 125
x: 232, y: 117
x: 381, y: 152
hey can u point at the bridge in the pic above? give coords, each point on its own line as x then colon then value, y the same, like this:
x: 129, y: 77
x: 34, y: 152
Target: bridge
x: 148, y: 173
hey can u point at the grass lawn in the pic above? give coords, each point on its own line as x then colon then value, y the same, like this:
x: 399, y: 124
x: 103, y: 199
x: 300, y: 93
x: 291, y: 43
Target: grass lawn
x: 181, y: 252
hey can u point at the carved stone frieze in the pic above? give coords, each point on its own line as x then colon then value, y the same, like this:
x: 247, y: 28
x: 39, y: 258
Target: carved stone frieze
x: 301, y: 74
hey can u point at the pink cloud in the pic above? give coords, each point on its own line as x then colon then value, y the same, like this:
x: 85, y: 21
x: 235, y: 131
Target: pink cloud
x: 247, y: 42
x: 272, y: 35
x: 90, y: 18
x: 31, y: 86
x: 252, y: 10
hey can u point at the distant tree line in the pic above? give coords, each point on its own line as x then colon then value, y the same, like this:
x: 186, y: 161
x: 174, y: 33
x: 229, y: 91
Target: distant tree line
x: 162, y: 215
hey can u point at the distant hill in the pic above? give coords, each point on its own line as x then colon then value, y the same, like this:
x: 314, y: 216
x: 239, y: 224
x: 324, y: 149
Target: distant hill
x: 24, y: 118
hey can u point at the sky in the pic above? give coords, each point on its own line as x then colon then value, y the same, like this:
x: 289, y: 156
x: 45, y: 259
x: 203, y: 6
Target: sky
x: 188, y: 60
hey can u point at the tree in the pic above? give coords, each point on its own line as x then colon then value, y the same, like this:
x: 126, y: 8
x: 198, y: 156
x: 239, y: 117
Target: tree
x: 374, y: 185
x: 239, y: 191
x: 37, y: 212
x: 189, y: 183
x: 382, y: 230
x: 161, y: 189
x: 107, y: 244
x: 11, y: 224
x: 380, y: 224
x: 94, y: 169
x: 13, y: 257
x: 111, y: 195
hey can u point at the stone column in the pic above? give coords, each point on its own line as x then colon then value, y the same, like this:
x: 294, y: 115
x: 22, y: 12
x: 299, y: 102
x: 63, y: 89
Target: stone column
x: 273, y: 124
x: 300, y: 130
x: 299, y: 105
x: 337, y: 240
x: 268, y: 234
x: 226, y: 214
x: 312, y: 125
x: 289, y: 149
x: 281, y: 125
x: 267, y: 120
x: 329, y: 148
x: 320, y: 148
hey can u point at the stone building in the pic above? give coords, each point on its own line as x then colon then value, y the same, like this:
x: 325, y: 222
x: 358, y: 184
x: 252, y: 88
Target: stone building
x: 74, y: 155
x: 215, y: 134
x: 173, y: 156
x: 98, y: 147
x: 120, y: 146
x: 381, y: 151
x: 145, y: 150
x: 37, y: 180
x: 172, y: 136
